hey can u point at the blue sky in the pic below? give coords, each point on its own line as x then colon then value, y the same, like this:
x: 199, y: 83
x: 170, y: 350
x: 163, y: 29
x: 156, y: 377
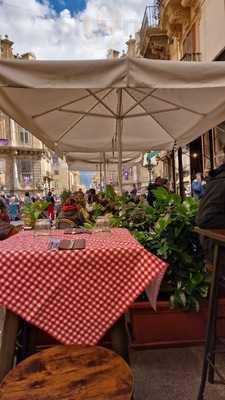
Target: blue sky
x: 73, y: 5
x: 86, y: 178
x: 77, y: 29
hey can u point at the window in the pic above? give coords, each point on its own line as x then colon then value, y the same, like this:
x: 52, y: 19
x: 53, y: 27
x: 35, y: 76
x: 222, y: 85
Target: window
x: 25, y: 171
x: 55, y: 159
x: 56, y: 172
x: 24, y: 136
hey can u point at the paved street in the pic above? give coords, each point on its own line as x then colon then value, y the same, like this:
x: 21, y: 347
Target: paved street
x: 169, y: 374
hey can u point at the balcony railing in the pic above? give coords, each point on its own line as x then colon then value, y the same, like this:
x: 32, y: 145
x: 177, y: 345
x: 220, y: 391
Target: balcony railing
x: 151, y: 19
x: 191, y: 57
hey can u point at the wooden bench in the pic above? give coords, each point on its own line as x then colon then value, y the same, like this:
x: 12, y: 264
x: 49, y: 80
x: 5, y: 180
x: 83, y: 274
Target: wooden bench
x: 69, y: 373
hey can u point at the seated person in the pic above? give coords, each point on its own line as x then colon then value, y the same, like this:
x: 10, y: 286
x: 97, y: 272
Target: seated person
x: 3, y: 212
x: 71, y: 211
x: 7, y: 230
x: 79, y: 199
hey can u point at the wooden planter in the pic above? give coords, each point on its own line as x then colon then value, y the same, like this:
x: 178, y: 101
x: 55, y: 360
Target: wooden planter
x: 170, y: 328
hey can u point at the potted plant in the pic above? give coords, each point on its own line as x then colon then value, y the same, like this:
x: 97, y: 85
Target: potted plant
x: 32, y: 211
x: 182, y: 307
x: 166, y: 230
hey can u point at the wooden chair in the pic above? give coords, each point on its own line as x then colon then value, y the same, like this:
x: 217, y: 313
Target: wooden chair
x: 70, y: 373
x: 63, y: 223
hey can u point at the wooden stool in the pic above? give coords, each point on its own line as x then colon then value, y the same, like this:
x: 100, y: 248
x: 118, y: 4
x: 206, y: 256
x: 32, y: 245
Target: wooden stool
x: 69, y: 373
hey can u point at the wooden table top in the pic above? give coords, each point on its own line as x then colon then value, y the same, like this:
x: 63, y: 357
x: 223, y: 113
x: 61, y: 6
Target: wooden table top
x: 69, y: 373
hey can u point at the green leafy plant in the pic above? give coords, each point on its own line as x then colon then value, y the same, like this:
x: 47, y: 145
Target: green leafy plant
x: 110, y: 194
x: 172, y: 239
x: 166, y: 230
x: 32, y: 211
x: 98, y: 210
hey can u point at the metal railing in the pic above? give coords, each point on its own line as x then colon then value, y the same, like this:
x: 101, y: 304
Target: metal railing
x: 151, y: 19
x: 191, y: 57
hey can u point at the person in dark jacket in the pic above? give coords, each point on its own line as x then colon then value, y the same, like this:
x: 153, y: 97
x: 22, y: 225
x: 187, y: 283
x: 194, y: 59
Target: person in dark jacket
x: 211, y: 214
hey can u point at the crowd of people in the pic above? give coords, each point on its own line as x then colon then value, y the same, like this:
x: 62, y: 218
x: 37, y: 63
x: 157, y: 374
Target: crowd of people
x: 78, y: 206
x: 11, y: 206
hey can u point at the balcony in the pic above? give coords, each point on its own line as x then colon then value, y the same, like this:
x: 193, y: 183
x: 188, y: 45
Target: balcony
x: 153, y: 41
x: 192, y: 57
x: 151, y: 20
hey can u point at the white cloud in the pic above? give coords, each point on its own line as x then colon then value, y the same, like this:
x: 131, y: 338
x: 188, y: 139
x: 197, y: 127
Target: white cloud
x: 102, y: 25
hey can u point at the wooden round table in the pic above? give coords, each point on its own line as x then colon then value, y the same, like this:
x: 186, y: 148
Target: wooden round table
x: 69, y: 373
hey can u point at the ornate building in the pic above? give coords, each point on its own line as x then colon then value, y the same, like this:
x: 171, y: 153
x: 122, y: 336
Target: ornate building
x: 26, y: 164
x: 186, y: 30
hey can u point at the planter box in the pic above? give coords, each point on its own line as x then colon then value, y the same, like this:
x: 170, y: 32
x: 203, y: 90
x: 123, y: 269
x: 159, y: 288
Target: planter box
x: 170, y: 328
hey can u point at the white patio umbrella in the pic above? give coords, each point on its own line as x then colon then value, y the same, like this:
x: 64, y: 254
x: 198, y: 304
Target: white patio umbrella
x: 109, y: 161
x: 127, y: 104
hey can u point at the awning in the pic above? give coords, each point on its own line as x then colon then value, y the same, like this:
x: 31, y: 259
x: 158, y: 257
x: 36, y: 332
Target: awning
x: 76, y: 105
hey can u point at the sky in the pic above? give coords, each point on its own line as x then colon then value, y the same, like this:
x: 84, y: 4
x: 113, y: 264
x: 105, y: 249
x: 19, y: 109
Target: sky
x: 70, y: 29
x: 73, y: 5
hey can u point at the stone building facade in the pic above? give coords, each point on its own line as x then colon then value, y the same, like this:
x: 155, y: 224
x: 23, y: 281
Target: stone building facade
x: 186, y: 30
x: 26, y: 164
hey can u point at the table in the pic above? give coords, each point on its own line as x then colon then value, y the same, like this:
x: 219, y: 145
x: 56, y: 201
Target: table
x: 213, y: 344
x: 76, y: 296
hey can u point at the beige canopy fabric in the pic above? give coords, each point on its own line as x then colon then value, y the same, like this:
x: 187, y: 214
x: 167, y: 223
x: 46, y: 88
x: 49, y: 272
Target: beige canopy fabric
x: 92, y: 161
x: 88, y: 106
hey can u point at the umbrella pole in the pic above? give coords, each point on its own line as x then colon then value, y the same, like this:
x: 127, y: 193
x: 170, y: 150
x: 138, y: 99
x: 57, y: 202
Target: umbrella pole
x: 181, y: 173
x: 173, y: 171
x: 119, y: 138
x: 105, y: 171
x: 100, y: 176
x: 120, y: 153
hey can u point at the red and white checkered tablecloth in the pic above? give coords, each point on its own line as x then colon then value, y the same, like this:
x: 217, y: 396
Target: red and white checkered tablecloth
x: 75, y: 296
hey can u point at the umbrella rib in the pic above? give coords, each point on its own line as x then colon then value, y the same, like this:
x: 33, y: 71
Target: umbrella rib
x: 172, y: 103
x: 62, y: 105
x: 87, y: 113
x: 176, y: 105
x: 153, y: 113
x: 137, y: 103
x: 102, y: 102
x: 151, y: 116
x: 79, y: 120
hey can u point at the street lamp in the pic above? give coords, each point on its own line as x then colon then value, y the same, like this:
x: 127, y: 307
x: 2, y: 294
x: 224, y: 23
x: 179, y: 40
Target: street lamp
x: 195, y: 155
